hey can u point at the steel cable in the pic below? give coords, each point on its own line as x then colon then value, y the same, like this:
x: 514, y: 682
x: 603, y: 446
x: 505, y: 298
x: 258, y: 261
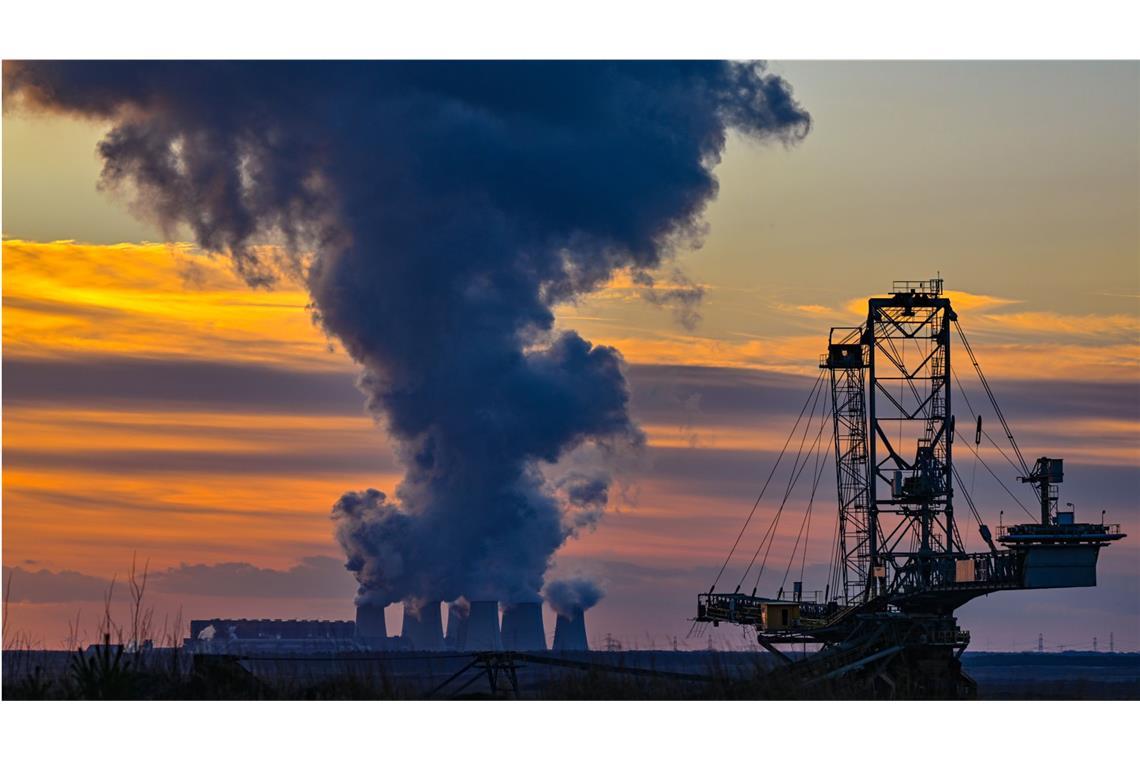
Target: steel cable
x: 744, y: 527
x: 771, y: 535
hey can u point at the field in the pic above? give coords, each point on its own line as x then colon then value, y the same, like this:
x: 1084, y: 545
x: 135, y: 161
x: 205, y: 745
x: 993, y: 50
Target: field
x: 111, y: 673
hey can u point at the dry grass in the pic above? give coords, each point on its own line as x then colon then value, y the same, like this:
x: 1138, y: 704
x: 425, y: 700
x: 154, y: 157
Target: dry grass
x: 143, y: 661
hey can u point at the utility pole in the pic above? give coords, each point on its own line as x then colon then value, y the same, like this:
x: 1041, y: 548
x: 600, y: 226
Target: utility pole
x: 1040, y: 643
x: 1094, y: 643
x: 1111, y: 643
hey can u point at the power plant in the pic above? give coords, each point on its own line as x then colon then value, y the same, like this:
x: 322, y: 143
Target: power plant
x: 371, y: 628
x: 522, y: 627
x: 570, y: 631
x: 246, y: 635
x: 471, y: 627
x: 483, y: 628
x: 455, y: 638
x: 423, y: 627
x: 899, y: 567
x: 275, y: 630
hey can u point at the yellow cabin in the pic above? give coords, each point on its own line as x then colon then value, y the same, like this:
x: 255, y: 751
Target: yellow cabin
x: 776, y: 616
x: 964, y: 571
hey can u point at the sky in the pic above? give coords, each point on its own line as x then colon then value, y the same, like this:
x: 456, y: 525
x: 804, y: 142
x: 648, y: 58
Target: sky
x: 155, y: 406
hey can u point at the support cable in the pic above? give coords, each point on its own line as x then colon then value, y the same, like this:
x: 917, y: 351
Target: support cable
x: 1001, y: 483
x: 744, y: 527
x: 806, y: 522
x: 807, y: 534
x: 985, y: 433
x: 989, y: 392
x: 969, y: 499
x: 793, y: 478
x: 771, y: 534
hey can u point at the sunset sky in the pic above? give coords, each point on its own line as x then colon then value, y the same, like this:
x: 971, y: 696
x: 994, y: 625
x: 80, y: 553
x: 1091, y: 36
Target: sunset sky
x: 153, y: 404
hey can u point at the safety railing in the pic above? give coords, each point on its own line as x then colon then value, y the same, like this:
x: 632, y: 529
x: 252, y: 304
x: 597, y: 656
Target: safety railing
x: 926, y: 287
x: 1075, y: 530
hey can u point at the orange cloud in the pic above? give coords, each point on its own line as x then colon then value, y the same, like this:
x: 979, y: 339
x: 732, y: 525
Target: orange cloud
x: 151, y: 300
x: 154, y: 300
x: 86, y: 486
x: 1095, y: 327
x: 1009, y: 344
x: 95, y: 485
x: 964, y: 302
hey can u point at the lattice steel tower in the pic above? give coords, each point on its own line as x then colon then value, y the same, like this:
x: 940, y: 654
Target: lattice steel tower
x: 900, y: 568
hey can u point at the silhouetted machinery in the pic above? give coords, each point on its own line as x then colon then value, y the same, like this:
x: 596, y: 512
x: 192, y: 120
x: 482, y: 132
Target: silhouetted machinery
x: 899, y: 567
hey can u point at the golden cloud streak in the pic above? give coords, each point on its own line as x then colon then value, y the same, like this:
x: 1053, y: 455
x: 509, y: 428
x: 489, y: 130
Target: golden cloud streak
x: 155, y: 300
x: 151, y: 300
x: 65, y: 299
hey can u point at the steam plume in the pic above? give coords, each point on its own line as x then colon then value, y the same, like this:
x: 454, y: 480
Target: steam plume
x: 570, y: 597
x: 448, y: 208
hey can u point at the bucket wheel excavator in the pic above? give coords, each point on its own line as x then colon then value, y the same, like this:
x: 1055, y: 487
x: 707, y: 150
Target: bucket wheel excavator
x: 885, y: 624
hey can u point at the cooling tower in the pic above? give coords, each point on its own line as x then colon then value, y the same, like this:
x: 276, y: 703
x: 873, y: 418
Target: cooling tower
x: 570, y: 632
x: 424, y: 632
x: 483, y: 628
x: 522, y: 627
x: 456, y: 638
x: 371, y: 630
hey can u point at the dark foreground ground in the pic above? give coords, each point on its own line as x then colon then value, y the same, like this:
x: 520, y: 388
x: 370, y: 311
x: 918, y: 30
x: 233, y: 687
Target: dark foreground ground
x: 173, y: 674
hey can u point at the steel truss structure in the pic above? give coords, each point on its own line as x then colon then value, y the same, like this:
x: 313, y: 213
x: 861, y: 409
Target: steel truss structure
x: 910, y: 486
x: 901, y: 567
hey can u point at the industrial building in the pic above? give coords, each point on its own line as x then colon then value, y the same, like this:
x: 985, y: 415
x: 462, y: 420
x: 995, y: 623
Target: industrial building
x: 570, y: 631
x: 228, y: 634
x: 455, y: 638
x: 471, y: 627
x: 522, y: 629
x: 371, y: 628
x: 483, y: 628
x: 423, y: 627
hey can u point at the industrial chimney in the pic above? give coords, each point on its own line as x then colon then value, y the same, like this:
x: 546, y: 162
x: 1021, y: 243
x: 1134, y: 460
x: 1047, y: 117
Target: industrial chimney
x: 570, y: 631
x: 483, y: 628
x: 371, y: 630
x: 456, y: 637
x: 423, y: 628
x: 522, y: 627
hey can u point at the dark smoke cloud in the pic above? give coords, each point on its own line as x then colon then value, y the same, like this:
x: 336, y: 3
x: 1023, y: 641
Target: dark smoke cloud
x: 447, y: 207
x: 566, y: 596
x: 585, y: 495
x: 682, y: 295
x: 586, y: 492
